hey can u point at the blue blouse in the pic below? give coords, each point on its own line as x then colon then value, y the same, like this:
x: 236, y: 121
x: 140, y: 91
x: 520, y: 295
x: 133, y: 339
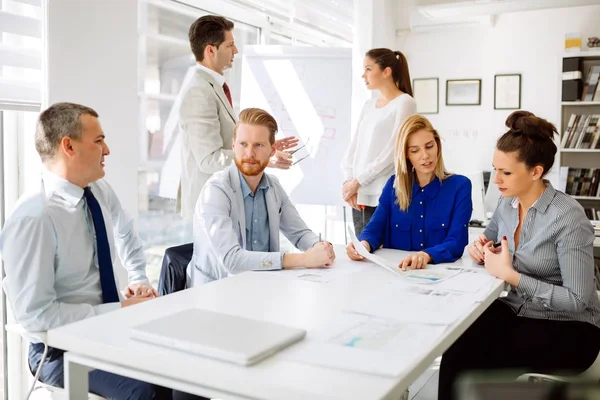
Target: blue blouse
x: 436, y: 221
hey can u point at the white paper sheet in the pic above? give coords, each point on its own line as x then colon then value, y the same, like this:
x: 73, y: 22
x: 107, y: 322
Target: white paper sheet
x: 366, y: 344
x: 468, y: 281
x: 320, y: 275
x: 427, y: 275
x: 415, y: 304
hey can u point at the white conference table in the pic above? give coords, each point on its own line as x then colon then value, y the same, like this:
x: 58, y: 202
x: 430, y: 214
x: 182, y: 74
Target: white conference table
x: 103, y: 342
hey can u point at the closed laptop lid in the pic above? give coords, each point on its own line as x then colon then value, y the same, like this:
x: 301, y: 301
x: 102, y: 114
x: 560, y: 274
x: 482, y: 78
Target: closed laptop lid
x: 222, y: 336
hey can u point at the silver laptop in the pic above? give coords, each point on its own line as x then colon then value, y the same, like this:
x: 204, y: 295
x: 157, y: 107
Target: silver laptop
x: 221, y: 336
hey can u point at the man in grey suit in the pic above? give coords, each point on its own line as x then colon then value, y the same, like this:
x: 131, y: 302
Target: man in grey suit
x: 241, y: 210
x: 206, y: 116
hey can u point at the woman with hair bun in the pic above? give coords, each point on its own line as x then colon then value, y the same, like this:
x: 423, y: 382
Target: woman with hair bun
x: 550, y: 320
x: 369, y: 160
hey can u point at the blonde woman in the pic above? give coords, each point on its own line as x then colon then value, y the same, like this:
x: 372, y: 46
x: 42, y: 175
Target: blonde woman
x: 423, y: 208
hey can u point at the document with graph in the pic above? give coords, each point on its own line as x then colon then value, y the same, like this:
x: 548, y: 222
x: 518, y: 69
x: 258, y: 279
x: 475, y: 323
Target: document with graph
x: 427, y: 275
x: 366, y: 344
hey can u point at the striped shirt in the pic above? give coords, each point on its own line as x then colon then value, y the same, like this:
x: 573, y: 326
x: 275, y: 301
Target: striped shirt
x: 554, y: 256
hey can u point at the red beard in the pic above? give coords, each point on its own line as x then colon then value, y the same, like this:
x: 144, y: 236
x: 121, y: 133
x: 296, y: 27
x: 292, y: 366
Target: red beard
x: 251, y: 169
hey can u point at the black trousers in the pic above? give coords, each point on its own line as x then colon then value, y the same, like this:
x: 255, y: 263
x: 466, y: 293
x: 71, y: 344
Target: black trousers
x: 502, y: 344
x: 361, y: 218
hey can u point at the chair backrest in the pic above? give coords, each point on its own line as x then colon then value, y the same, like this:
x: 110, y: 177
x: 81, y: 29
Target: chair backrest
x: 492, y: 195
x: 173, y: 271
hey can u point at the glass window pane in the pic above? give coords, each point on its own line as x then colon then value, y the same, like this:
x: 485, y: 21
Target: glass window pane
x: 20, y: 168
x: 168, y: 62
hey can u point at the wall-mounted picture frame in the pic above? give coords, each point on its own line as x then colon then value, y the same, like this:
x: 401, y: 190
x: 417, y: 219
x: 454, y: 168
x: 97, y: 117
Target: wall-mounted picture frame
x: 463, y: 92
x: 507, y: 91
x: 426, y: 92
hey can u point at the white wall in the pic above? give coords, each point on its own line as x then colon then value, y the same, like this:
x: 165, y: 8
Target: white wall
x: 92, y: 58
x: 530, y: 43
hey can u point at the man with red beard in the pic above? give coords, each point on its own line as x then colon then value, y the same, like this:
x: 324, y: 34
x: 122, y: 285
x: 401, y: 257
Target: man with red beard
x: 241, y: 210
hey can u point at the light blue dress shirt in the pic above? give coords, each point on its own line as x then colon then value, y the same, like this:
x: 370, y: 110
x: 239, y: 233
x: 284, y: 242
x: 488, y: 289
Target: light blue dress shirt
x: 49, y: 251
x: 257, y: 218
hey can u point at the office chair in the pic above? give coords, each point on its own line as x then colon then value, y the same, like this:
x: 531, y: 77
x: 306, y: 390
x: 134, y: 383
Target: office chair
x: 590, y: 374
x: 55, y: 392
x: 173, y: 271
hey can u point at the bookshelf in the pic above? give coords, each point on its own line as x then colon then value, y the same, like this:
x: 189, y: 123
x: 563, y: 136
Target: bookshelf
x: 579, y: 147
x: 581, y: 103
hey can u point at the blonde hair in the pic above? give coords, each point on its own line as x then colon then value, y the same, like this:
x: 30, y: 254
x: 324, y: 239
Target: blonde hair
x: 257, y: 116
x: 403, y: 183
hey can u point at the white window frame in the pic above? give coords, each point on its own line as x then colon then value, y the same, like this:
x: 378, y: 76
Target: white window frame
x: 11, y: 188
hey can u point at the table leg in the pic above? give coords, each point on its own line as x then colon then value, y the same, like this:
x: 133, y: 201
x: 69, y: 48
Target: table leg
x: 404, y: 395
x: 76, y: 379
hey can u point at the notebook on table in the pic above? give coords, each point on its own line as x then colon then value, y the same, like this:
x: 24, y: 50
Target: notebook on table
x: 220, y: 336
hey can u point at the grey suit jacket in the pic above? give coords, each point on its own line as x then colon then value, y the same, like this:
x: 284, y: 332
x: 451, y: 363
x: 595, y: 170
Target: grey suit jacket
x: 206, y: 122
x: 220, y: 229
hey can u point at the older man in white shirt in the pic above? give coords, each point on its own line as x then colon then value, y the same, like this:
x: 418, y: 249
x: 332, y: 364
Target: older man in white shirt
x: 61, y: 241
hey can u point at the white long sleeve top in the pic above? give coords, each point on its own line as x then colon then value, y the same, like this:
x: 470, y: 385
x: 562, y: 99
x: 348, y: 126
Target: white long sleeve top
x: 370, y: 157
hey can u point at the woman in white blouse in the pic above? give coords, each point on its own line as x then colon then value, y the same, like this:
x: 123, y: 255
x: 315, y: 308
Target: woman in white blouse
x: 369, y: 161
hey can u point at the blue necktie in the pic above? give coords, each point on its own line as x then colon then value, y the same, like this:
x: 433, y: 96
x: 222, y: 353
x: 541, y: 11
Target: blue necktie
x: 107, y: 276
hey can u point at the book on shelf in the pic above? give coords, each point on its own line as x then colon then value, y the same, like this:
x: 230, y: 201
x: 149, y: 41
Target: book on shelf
x: 591, y: 84
x: 597, y: 94
x: 595, y: 219
x: 582, y: 132
x: 593, y: 214
x: 583, y: 182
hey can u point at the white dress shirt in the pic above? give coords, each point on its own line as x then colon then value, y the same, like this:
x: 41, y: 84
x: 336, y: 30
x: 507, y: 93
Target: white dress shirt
x: 49, y: 249
x: 220, y: 79
x: 370, y: 157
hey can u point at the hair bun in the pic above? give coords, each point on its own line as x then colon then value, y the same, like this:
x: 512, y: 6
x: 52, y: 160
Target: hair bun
x: 526, y: 123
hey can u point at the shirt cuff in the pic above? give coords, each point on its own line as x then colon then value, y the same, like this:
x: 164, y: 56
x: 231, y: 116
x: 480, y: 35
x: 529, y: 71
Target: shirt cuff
x: 364, y: 179
x: 528, y: 285
x: 139, y: 279
x: 272, y: 261
x: 369, y: 239
x: 435, y: 255
x: 105, y: 308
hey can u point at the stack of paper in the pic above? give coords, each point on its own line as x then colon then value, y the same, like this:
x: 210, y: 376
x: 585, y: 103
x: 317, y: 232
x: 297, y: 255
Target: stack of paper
x: 319, y: 275
x: 415, y: 304
x: 468, y: 281
x: 367, y: 344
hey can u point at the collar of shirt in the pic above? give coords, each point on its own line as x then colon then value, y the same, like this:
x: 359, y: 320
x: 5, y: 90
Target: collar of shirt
x: 542, y: 203
x: 53, y: 183
x: 263, y: 184
x: 220, y: 79
x: 430, y: 190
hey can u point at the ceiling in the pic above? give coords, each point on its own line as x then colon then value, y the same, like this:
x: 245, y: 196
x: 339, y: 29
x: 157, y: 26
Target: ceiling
x: 448, y: 12
x: 333, y: 17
